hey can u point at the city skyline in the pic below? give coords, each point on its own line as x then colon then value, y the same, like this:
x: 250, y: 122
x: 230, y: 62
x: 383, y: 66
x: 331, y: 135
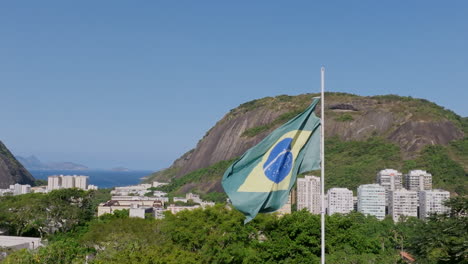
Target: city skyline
x: 385, y: 197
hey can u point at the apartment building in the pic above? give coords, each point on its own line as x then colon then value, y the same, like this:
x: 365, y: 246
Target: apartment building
x: 371, y: 200
x: 391, y: 180
x: 403, y: 203
x: 67, y: 181
x: 308, y: 194
x: 340, y: 200
x: 432, y: 202
x: 418, y: 180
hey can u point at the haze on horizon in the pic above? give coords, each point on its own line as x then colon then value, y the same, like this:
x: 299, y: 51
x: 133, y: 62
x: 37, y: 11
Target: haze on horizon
x: 109, y: 84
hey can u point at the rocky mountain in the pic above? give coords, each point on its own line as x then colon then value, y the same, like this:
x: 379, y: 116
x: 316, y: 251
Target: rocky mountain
x: 33, y: 163
x: 11, y: 171
x: 406, y: 124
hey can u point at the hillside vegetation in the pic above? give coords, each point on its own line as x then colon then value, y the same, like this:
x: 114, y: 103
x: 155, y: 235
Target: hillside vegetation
x: 218, y: 235
x: 350, y: 164
x: 364, y: 135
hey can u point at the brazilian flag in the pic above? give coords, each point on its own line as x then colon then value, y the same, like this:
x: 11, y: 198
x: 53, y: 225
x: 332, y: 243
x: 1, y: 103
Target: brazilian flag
x: 260, y: 180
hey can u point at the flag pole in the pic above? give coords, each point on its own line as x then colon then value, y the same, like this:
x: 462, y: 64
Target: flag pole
x: 322, y: 158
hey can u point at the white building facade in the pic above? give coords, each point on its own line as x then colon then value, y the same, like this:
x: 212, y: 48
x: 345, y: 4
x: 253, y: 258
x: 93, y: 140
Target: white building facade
x: 140, y: 189
x: 403, y: 203
x: 81, y: 182
x: 56, y: 182
x: 20, y: 188
x: 432, y: 202
x: 371, y: 200
x: 16, y: 189
x: 308, y: 194
x: 418, y: 180
x: 138, y: 203
x: 391, y: 180
x: 340, y: 200
x: 16, y: 242
x: 68, y: 181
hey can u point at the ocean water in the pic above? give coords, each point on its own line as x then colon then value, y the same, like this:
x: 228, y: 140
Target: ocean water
x: 100, y: 178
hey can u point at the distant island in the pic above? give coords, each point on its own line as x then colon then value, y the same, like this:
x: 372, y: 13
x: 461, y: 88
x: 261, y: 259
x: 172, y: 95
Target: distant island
x: 120, y: 169
x: 33, y: 163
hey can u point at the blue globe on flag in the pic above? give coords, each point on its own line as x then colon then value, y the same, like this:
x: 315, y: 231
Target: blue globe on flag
x: 280, y: 161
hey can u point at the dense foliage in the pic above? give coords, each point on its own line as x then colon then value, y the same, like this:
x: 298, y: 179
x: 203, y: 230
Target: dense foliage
x: 283, y: 118
x: 352, y: 163
x: 441, y: 239
x: 218, y: 235
x: 447, y: 173
x: 37, y: 214
x: 199, y: 176
x: 344, y: 118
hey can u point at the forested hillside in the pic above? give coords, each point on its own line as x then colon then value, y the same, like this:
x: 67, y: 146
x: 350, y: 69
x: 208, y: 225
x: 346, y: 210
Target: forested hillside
x: 363, y: 136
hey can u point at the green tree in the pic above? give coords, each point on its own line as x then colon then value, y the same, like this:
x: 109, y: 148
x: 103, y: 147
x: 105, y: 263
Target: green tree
x: 442, y: 238
x: 23, y: 214
x: 38, y: 214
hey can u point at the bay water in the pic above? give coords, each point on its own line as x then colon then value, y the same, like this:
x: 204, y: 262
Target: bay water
x: 100, y: 178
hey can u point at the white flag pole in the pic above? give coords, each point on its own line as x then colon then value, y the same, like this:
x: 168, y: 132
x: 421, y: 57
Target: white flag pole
x: 322, y: 157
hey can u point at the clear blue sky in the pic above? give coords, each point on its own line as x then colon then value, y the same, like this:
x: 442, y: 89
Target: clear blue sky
x: 138, y: 83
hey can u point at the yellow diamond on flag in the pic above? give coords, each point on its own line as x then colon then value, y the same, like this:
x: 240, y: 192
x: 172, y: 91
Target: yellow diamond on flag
x: 273, y: 172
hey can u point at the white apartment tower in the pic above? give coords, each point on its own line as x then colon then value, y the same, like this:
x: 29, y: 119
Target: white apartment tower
x: 67, y: 181
x: 371, y: 200
x: 391, y: 180
x: 418, y: 180
x: 432, y: 202
x: 81, y: 182
x: 403, y: 203
x: 308, y: 194
x: 340, y: 200
x: 54, y: 182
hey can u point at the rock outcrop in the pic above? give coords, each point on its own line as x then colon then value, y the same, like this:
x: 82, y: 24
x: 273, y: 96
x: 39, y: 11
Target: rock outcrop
x: 11, y: 171
x: 410, y: 123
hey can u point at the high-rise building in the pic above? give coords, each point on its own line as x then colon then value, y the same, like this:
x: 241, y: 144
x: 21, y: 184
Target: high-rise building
x: 308, y: 194
x: 432, y: 202
x: 81, y: 182
x: 68, y: 181
x: 418, y: 180
x: 403, y: 203
x: 371, y: 200
x: 340, y: 200
x: 54, y: 182
x: 391, y: 180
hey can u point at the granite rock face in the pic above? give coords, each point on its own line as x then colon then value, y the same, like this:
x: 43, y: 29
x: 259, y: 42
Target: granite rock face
x: 11, y: 171
x: 409, y: 123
